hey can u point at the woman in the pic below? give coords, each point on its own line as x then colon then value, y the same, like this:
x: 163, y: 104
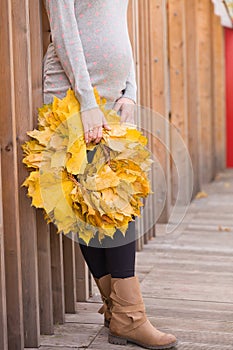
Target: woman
x: 90, y: 48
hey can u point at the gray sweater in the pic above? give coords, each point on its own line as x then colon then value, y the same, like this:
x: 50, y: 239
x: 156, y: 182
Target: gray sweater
x: 90, y: 48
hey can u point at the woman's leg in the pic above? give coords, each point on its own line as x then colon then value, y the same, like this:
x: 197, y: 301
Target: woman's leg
x: 118, y: 261
x: 95, y: 259
x: 121, y: 260
x: 120, y: 255
x: 110, y: 262
x: 112, y: 256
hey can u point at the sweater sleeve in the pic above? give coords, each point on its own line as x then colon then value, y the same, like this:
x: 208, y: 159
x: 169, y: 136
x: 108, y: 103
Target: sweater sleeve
x: 69, y: 49
x: 131, y: 85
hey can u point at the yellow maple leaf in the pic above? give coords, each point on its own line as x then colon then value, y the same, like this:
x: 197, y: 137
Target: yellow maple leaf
x: 77, y: 160
x: 34, y: 189
x: 43, y: 136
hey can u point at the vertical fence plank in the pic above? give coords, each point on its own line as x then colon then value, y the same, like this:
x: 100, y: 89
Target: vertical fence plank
x: 45, y: 27
x: 3, y: 313
x: 219, y: 98
x: 69, y: 273
x: 24, y: 122
x: 133, y: 14
x: 151, y: 201
x: 144, y: 120
x: 134, y: 37
x: 81, y: 273
x: 57, y: 275
x: 44, y: 276
x: 10, y: 177
x: 143, y: 53
x: 205, y: 79
x: 192, y: 91
x: 178, y: 101
x: 43, y: 234
x: 159, y: 102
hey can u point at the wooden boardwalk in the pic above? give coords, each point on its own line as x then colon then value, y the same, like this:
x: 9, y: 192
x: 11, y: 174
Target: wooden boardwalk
x: 186, y: 279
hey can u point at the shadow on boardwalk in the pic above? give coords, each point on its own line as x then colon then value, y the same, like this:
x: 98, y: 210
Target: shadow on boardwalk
x: 186, y: 279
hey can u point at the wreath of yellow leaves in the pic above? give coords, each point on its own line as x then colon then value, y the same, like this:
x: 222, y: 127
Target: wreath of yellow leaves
x: 88, y: 198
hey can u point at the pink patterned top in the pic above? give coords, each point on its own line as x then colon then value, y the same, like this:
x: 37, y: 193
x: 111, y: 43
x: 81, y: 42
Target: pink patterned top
x: 90, y: 48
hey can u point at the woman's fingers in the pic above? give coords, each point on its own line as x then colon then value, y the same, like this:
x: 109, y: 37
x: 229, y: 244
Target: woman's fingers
x: 126, y: 107
x: 93, y: 123
x: 91, y: 134
x: 99, y: 135
x: 105, y: 124
x: 127, y: 113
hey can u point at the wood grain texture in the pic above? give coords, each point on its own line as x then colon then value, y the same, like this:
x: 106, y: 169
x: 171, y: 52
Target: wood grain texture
x: 44, y: 275
x: 180, y: 169
x: 46, y: 36
x: 69, y: 272
x: 24, y: 122
x: 205, y: 92
x: 57, y: 275
x: 159, y: 103
x: 136, y: 32
x: 10, y: 201
x: 81, y: 272
x: 143, y: 59
x: 219, y: 98
x: 3, y: 312
x: 192, y: 90
x: 43, y: 238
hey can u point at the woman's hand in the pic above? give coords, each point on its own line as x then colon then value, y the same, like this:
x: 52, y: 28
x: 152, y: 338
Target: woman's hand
x: 126, y: 107
x: 93, y: 122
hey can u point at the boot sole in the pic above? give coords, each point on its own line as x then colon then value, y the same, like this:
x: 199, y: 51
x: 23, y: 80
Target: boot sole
x: 114, y: 339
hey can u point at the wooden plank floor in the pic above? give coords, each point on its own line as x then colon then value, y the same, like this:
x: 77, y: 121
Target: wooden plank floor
x: 186, y: 280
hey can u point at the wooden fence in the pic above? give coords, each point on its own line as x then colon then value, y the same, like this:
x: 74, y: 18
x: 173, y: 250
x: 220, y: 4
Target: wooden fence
x: 179, y: 54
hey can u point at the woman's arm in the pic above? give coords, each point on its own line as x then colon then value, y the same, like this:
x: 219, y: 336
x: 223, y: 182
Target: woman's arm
x: 69, y: 49
x: 131, y: 85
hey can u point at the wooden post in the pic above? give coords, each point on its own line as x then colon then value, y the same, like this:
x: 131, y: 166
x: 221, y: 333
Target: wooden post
x: 10, y: 183
x: 82, y: 278
x: 44, y: 275
x: 69, y: 273
x: 3, y: 312
x: 43, y: 238
x: 134, y: 37
x: 218, y: 73
x: 205, y: 93
x: 45, y: 35
x: 159, y: 101
x: 192, y: 89
x: 151, y: 200
x: 133, y: 18
x: 143, y: 95
x: 57, y: 275
x: 24, y: 122
x: 180, y: 162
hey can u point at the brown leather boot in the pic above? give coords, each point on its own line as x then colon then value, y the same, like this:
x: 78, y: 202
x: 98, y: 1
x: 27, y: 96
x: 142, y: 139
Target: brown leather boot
x: 104, y: 285
x: 129, y: 322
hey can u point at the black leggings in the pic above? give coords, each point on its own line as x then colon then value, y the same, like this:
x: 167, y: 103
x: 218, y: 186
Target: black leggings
x: 119, y: 261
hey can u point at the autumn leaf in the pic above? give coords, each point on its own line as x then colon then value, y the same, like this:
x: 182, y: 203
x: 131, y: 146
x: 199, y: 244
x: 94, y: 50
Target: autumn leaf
x: 201, y: 194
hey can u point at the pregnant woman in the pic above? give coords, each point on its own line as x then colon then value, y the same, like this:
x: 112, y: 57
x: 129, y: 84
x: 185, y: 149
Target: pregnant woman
x: 90, y: 48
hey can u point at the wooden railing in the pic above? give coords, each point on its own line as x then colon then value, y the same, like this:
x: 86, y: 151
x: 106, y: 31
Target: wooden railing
x: 179, y: 56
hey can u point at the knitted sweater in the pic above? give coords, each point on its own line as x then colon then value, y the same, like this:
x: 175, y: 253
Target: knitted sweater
x: 90, y: 48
